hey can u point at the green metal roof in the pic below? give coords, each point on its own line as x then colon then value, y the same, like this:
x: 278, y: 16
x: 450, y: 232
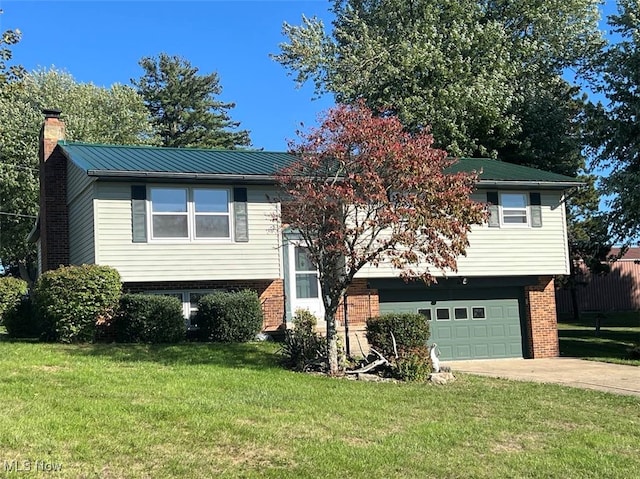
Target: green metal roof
x: 500, y: 171
x: 186, y: 163
x: 149, y: 161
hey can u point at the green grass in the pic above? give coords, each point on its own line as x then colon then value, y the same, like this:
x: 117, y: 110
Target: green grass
x: 619, y: 332
x: 201, y: 411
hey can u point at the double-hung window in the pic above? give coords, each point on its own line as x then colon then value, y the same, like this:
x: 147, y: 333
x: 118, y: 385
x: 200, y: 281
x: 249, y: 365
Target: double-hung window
x: 190, y: 213
x: 169, y: 213
x: 514, y: 208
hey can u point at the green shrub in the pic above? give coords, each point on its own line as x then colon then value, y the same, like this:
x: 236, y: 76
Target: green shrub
x: 229, y: 317
x: 11, y: 291
x: 72, y: 301
x: 303, y: 348
x: 149, y: 318
x: 413, y: 365
x: 21, y: 320
x: 411, y: 332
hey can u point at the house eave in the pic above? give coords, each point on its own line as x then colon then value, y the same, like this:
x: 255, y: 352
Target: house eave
x: 547, y: 185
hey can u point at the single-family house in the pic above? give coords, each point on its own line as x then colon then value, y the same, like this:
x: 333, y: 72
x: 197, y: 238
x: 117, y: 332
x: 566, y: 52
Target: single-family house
x: 186, y: 222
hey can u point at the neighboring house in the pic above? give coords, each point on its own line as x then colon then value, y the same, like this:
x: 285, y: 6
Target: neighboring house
x: 187, y: 221
x: 618, y: 290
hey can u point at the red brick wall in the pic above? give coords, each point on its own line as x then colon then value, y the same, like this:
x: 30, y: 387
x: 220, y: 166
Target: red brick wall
x: 54, y: 216
x: 542, y: 322
x: 362, y: 303
x: 271, y: 293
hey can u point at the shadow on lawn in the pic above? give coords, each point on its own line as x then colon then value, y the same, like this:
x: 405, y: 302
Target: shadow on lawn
x: 608, y: 344
x: 246, y: 355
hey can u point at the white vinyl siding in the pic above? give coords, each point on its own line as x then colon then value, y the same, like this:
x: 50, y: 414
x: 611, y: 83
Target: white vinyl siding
x: 259, y: 258
x: 80, y: 195
x: 509, y: 251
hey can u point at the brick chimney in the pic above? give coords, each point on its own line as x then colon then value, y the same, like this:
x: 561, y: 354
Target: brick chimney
x: 54, y: 217
x: 51, y: 132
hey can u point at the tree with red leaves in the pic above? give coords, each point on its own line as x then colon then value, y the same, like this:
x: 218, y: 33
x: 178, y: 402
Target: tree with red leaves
x: 365, y: 191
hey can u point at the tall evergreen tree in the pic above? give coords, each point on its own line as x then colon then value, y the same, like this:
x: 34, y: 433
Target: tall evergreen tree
x: 183, y: 105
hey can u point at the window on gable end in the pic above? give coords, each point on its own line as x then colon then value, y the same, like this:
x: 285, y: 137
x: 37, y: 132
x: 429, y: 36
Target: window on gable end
x: 514, y: 209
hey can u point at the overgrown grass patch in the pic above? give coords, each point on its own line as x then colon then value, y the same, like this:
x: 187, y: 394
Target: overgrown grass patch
x: 202, y: 410
x: 618, y: 333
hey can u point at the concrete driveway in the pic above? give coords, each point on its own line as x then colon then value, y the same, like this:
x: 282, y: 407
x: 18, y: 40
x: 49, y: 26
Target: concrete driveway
x: 613, y: 378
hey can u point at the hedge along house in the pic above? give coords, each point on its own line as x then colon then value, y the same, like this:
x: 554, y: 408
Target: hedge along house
x: 186, y: 222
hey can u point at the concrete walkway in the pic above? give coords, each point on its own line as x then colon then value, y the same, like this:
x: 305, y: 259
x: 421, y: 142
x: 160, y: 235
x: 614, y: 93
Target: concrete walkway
x: 613, y: 378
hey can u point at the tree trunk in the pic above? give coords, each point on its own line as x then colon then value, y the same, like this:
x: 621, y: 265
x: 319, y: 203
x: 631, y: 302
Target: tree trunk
x: 575, y: 305
x: 332, y: 344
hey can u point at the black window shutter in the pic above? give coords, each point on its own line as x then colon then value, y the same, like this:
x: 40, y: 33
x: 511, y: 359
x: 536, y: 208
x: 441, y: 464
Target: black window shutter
x: 139, y: 213
x: 240, y: 215
x: 494, y: 210
x: 536, y: 210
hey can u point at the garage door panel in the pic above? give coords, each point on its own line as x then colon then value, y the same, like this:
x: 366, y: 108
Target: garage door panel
x: 481, y: 351
x: 498, y: 350
x: 490, y: 329
x: 515, y: 349
x: 443, y: 332
x: 462, y: 332
x: 463, y: 351
x: 480, y: 332
x: 497, y: 331
x: 446, y: 351
x: 513, y: 312
x: 514, y: 331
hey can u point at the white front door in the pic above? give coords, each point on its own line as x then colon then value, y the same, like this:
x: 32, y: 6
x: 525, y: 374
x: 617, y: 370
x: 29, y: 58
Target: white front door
x: 304, y: 285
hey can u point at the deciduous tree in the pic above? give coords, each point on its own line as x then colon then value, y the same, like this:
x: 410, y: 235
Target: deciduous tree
x: 364, y: 191
x: 615, y: 126
x: 469, y: 68
x: 183, y: 105
x: 12, y: 72
x: 91, y: 113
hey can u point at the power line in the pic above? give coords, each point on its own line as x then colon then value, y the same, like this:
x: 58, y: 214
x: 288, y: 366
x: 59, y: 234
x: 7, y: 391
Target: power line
x: 16, y: 214
x: 18, y: 167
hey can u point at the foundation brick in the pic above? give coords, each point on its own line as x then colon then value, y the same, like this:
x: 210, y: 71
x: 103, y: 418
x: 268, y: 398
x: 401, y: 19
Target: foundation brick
x: 542, y: 320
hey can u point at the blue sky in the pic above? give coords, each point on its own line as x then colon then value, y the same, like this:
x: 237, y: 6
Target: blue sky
x: 102, y: 41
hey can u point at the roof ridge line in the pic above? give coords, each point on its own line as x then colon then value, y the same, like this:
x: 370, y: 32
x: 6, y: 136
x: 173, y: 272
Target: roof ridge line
x: 163, y: 148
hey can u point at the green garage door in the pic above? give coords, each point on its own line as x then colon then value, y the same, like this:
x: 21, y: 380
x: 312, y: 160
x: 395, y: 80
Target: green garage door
x: 466, y: 328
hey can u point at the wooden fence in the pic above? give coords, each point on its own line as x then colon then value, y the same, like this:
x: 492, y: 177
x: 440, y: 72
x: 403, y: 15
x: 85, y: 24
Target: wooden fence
x: 617, y: 291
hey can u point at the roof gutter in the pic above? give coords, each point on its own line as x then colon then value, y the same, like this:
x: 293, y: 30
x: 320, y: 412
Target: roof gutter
x: 559, y: 185
x: 166, y: 175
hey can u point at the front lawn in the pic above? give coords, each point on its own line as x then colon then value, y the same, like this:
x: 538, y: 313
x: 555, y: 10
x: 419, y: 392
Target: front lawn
x: 202, y: 411
x: 618, y: 333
